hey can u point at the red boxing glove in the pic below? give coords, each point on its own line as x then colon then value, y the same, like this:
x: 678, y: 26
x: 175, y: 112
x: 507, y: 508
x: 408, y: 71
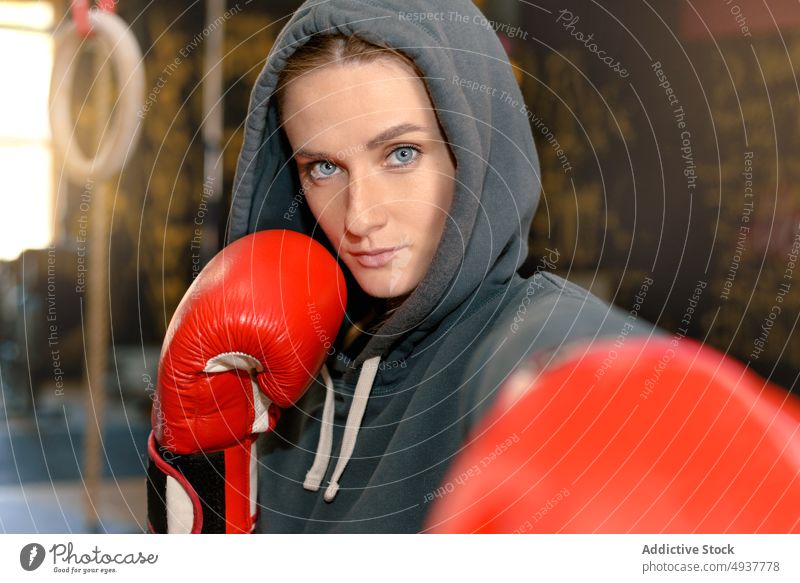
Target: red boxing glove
x: 658, y: 436
x: 248, y: 338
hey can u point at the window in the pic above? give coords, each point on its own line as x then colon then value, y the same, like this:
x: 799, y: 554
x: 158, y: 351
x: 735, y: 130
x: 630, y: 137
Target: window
x: 26, y: 165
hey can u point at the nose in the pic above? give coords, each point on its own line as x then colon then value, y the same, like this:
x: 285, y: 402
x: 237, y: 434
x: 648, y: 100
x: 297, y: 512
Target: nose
x: 366, y: 211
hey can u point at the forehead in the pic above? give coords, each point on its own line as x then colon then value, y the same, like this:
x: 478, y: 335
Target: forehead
x: 349, y: 98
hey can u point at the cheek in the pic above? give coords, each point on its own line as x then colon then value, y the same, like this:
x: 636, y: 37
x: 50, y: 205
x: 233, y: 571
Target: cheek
x: 329, y: 213
x: 443, y: 197
x: 430, y: 204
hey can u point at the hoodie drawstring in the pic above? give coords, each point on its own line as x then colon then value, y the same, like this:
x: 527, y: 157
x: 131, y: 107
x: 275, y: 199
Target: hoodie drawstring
x: 323, y: 455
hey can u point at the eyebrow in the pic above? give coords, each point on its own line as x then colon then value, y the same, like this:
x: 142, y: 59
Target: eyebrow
x: 383, y: 137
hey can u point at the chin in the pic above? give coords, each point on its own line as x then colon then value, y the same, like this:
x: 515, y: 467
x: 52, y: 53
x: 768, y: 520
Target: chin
x: 381, y: 286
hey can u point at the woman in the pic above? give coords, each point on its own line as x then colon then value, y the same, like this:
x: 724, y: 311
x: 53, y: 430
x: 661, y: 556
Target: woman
x: 395, y: 134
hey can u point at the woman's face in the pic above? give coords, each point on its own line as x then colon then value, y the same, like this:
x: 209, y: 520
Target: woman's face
x: 376, y: 171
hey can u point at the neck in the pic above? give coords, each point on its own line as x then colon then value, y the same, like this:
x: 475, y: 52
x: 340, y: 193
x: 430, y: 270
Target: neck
x: 381, y: 309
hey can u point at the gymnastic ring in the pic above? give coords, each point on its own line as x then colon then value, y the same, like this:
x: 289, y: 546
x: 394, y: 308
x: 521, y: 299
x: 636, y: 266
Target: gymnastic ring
x: 117, y: 40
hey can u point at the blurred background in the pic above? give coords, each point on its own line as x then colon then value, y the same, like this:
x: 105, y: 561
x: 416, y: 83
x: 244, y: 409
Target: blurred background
x: 665, y: 130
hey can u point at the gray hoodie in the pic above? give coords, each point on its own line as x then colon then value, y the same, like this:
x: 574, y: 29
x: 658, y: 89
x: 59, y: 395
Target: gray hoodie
x: 398, y: 409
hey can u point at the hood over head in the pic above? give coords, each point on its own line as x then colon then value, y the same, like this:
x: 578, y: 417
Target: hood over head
x: 482, y: 112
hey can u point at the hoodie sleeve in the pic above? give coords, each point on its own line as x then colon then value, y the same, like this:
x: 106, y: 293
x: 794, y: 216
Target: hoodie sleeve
x: 549, y: 316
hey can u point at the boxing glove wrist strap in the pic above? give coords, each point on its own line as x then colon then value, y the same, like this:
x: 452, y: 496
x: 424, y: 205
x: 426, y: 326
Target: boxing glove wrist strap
x: 210, y: 493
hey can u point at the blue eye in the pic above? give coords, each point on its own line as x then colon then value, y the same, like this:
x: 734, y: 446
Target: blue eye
x: 324, y: 169
x: 404, y: 155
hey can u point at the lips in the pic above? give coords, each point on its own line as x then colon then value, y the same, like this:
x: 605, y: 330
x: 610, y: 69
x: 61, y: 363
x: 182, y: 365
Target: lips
x: 375, y: 257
